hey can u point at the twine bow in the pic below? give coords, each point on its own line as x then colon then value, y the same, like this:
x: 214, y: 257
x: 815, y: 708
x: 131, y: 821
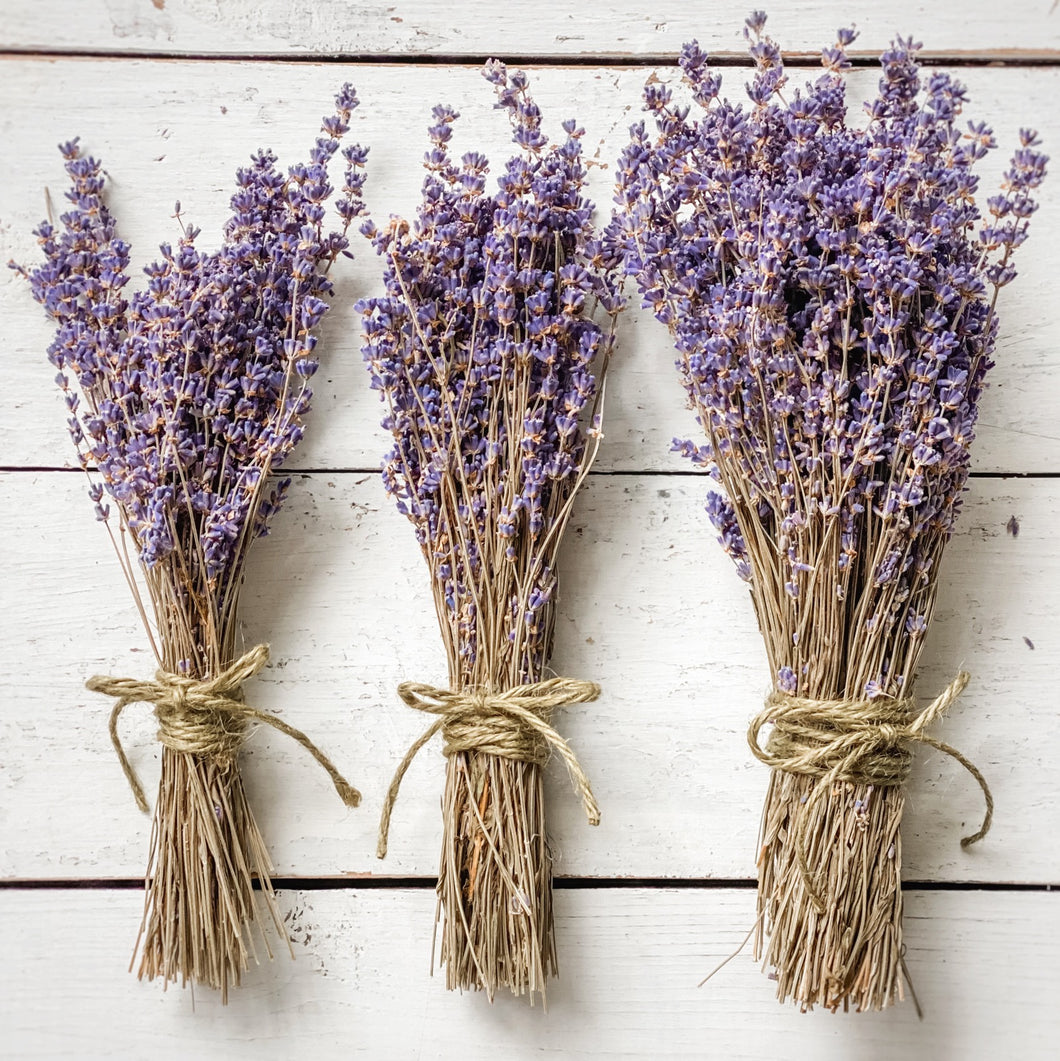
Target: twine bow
x: 204, y: 716
x: 858, y: 741
x: 515, y: 724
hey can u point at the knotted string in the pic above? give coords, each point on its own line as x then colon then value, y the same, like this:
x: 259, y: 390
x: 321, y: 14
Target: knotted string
x: 204, y: 716
x: 864, y: 742
x: 515, y: 724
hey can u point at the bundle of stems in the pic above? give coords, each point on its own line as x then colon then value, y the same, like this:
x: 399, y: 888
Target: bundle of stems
x: 831, y: 291
x: 183, y: 400
x: 491, y: 365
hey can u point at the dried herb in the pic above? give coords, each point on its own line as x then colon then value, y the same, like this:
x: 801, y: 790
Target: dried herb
x: 183, y: 400
x: 831, y: 292
x: 487, y: 354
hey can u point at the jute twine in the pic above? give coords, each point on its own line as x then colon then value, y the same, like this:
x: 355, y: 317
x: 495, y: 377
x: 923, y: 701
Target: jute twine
x: 862, y: 742
x: 515, y: 724
x: 205, y: 716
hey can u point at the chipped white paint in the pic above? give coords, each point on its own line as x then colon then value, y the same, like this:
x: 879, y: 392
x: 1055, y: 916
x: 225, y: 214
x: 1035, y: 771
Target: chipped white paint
x: 649, y: 605
x: 545, y: 28
x: 629, y: 964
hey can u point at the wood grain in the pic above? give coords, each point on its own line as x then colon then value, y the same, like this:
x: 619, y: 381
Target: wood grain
x: 649, y: 606
x: 985, y: 973
x: 177, y: 130
x: 550, y: 28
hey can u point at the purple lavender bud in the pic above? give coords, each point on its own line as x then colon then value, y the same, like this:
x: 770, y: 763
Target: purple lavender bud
x: 830, y: 289
x: 194, y: 383
x: 486, y: 351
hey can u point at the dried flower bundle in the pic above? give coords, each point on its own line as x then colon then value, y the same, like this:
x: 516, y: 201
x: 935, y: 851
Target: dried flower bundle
x: 831, y: 292
x: 487, y: 355
x: 183, y: 399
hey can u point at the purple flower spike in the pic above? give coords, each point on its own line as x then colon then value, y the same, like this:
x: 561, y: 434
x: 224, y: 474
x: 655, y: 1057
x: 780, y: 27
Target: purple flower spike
x: 831, y: 291
x: 195, y: 387
x: 488, y: 349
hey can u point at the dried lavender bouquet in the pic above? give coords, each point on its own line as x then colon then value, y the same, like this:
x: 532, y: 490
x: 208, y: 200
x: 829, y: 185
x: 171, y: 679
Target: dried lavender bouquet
x: 183, y: 399
x: 487, y: 355
x: 831, y: 292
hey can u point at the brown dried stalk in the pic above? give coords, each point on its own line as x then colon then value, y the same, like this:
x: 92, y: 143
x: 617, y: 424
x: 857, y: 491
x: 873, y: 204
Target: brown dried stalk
x: 852, y: 953
x: 845, y: 951
x: 495, y: 877
x: 495, y: 871
x: 200, y: 911
x: 206, y: 852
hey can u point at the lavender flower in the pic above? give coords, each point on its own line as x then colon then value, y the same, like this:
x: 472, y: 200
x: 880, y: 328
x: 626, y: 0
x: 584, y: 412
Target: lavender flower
x: 831, y: 293
x: 489, y: 355
x: 486, y: 353
x: 184, y: 397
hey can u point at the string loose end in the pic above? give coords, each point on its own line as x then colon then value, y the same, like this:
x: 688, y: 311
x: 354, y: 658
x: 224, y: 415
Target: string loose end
x: 204, y: 716
x: 347, y: 793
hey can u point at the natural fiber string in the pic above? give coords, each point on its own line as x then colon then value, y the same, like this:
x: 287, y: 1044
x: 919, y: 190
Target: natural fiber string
x: 204, y: 716
x: 857, y: 741
x: 514, y: 724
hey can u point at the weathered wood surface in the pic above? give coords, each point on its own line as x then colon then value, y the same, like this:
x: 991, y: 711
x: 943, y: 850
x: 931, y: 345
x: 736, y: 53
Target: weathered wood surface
x: 548, y: 28
x: 177, y: 130
x: 649, y: 606
x: 984, y: 970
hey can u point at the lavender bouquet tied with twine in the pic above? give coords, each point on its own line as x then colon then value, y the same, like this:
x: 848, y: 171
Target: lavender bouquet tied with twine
x: 489, y: 350
x: 183, y: 400
x: 831, y: 293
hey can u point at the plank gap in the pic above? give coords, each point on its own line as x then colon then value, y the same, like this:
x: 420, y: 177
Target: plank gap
x: 669, y: 473
x: 1012, y: 58
x: 418, y: 883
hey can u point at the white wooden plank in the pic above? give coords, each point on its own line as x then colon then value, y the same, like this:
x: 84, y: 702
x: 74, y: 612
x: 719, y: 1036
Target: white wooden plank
x: 649, y: 606
x: 169, y: 130
x: 476, y: 27
x: 984, y: 965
